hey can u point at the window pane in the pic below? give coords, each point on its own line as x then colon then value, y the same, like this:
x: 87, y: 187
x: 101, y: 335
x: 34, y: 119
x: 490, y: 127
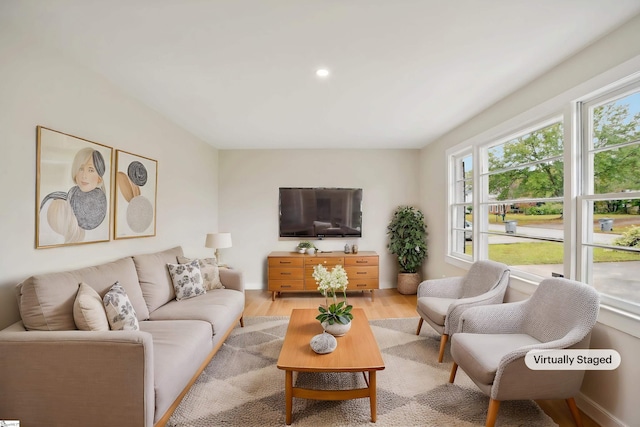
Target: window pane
x: 615, y: 273
x: 539, y: 145
x: 533, y: 256
x: 617, y: 169
x: 616, y: 122
x: 542, y: 180
x: 541, y: 220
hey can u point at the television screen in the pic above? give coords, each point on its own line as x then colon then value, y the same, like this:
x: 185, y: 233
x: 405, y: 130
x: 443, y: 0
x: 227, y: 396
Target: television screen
x: 320, y: 212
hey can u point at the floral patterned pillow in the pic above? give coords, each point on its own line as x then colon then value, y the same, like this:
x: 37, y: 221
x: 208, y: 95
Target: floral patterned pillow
x: 187, y: 280
x: 120, y: 312
x: 209, y: 270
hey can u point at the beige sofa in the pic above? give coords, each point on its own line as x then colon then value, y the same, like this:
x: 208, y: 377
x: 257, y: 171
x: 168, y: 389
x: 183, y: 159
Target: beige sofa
x: 52, y: 374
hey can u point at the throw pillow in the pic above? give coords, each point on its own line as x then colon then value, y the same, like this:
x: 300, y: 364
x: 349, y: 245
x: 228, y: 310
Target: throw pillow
x: 88, y: 311
x: 187, y: 280
x: 209, y: 270
x: 120, y: 312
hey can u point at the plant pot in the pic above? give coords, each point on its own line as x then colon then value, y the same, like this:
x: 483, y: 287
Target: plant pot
x: 337, y: 329
x: 408, y: 283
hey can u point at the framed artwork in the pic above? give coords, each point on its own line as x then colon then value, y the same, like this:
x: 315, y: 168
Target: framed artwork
x: 135, y: 198
x: 73, y: 190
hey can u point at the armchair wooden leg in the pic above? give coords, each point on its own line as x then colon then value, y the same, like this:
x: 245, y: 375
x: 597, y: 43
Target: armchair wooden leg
x: 492, y: 413
x: 454, y: 370
x: 419, y: 326
x: 575, y: 412
x: 242, y: 322
x: 443, y: 343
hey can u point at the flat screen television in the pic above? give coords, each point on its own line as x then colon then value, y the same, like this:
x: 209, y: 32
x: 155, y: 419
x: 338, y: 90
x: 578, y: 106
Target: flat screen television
x: 320, y: 212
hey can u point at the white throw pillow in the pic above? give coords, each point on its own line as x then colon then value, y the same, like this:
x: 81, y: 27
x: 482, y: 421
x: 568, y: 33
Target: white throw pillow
x: 120, y: 312
x: 88, y: 310
x: 209, y: 270
x: 187, y: 280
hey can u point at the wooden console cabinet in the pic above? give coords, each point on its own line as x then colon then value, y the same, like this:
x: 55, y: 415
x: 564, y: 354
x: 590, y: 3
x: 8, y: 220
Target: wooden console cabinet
x: 293, y: 272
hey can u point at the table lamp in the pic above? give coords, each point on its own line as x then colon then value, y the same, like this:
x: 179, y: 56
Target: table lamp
x: 218, y: 241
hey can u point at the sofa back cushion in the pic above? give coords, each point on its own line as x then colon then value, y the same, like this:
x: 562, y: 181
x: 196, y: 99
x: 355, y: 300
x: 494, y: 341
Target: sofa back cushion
x: 46, y: 300
x: 153, y: 274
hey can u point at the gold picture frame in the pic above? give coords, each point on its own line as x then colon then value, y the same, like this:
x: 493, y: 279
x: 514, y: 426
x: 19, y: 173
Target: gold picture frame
x: 136, y: 190
x: 73, y: 190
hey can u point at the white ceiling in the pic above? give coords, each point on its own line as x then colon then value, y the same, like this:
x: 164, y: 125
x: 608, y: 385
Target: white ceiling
x: 240, y: 74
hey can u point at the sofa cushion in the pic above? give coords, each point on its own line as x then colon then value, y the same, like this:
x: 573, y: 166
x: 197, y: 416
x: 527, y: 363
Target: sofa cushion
x: 154, y: 277
x: 120, y: 312
x: 209, y: 270
x: 187, y: 280
x: 179, y: 348
x: 88, y: 311
x: 46, y: 300
x: 435, y: 308
x: 479, y: 355
x: 219, y: 307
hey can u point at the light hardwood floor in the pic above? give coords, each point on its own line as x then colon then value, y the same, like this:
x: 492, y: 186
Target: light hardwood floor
x: 388, y: 303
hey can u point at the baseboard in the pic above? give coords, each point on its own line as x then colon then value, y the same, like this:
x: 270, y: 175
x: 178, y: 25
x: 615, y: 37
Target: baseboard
x: 598, y: 413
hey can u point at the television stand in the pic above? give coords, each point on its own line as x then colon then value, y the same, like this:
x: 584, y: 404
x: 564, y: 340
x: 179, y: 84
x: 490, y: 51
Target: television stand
x: 293, y: 272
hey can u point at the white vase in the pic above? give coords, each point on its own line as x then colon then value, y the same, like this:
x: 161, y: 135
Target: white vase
x: 337, y: 329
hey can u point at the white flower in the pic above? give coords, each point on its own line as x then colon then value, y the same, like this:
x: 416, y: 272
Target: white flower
x: 330, y: 282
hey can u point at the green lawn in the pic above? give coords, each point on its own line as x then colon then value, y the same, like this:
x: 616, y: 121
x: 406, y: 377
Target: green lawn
x: 547, y: 253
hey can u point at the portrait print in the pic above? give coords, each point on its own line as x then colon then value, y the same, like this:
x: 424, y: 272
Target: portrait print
x: 73, y: 190
x: 135, y: 198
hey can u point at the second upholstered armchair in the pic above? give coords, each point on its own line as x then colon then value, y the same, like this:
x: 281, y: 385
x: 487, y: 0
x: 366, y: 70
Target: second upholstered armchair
x: 441, y: 302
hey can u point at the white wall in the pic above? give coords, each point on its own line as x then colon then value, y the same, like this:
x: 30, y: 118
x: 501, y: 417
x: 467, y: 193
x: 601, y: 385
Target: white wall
x: 39, y: 87
x: 608, y: 396
x: 249, y: 182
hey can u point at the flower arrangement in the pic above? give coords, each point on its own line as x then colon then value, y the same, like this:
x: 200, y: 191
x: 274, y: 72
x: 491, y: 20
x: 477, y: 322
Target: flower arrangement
x: 329, y: 284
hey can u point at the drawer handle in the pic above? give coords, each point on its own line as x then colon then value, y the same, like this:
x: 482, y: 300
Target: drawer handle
x: 362, y: 261
x: 284, y: 273
x: 285, y: 286
x: 285, y: 262
x: 361, y: 272
x: 361, y: 285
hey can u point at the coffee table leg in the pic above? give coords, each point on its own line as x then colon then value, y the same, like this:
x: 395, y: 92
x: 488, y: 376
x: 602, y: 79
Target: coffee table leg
x: 288, y: 394
x: 372, y: 395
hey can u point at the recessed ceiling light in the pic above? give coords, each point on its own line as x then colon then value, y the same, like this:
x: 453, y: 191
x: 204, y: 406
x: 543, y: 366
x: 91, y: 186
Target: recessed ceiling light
x: 322, y: 72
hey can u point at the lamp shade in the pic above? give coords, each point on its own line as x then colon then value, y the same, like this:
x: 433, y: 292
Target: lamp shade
x: 218, y: 240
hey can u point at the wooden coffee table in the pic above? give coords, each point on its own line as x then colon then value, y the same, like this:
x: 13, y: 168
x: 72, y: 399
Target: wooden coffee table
x: 357, y: 352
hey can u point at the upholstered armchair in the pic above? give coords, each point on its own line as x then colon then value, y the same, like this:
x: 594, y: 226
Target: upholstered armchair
x: 492, y: 341
x: 442, y: 301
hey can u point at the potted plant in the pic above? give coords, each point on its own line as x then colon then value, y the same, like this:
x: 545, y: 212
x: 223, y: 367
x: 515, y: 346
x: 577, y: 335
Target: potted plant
x: 306, y: 246
x: 408, y: 240
x: 335, y: 318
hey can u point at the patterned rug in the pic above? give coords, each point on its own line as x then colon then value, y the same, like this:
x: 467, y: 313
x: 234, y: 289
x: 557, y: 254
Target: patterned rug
x: 242, y: 386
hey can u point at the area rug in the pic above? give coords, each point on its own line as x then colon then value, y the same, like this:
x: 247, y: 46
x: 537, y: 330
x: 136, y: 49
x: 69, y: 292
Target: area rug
x: 243, y: 387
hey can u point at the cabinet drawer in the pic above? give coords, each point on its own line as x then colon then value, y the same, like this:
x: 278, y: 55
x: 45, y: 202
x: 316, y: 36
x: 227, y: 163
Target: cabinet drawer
x: 360, y: 284
x: 285, y: 273
x: 361, y: 260
x: 326, y: 261
x: 286, y: 285
x: 285, y: 262
x: 354, y: 273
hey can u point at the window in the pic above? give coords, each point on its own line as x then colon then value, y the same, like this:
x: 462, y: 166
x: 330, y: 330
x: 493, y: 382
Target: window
x: 524, y: 173
x: 610, y: 197
x: 462, y: 207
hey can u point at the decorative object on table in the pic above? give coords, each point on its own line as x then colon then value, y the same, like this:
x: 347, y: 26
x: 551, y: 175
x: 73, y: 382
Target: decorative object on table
x: 218, y: 241
x: 323, y: 343
x: 408, y: 240
x: 306, y: 246
x: 335, y: 318
x: 347, y: 248
x: 73, y: 190
x: 354, y: 249
x: 135, y: 202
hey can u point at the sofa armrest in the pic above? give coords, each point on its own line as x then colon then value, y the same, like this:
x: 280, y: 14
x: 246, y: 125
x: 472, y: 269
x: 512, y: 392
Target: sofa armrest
x: 77, y: 377
x: 232, y: 279
x: 446, y: 287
